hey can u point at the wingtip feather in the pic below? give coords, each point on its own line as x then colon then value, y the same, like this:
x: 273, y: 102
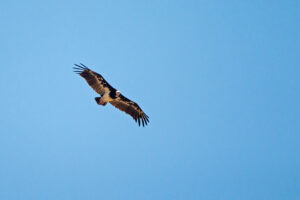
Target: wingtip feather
x: 143, y: 122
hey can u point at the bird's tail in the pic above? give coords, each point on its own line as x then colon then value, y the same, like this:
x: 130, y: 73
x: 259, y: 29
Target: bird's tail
x: 97, y: 99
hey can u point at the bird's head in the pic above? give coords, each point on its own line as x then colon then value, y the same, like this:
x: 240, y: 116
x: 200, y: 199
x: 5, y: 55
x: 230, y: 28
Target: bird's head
x: 118, y: 93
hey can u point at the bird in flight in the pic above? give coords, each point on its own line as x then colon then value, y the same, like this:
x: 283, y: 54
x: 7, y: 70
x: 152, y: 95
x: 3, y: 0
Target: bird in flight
x: 111, y: 95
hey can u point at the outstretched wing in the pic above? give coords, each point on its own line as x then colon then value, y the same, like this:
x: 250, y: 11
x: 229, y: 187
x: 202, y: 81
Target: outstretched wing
x: 95, y: 80
x: 131, y: 108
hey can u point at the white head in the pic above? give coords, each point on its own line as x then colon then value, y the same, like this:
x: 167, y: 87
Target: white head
x: 118, y: 93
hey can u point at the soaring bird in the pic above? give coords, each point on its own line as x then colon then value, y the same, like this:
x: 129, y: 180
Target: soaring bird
x: 111, y: 95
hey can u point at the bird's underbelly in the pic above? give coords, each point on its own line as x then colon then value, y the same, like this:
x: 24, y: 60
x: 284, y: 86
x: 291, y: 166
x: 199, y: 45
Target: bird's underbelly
x: 106, y: 98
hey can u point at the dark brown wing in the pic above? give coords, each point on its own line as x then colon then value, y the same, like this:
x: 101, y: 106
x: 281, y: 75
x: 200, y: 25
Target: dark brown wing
x: 95, y: 80
x: 131, y: 108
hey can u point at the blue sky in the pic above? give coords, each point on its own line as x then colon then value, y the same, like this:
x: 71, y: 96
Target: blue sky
x: 218, y: 79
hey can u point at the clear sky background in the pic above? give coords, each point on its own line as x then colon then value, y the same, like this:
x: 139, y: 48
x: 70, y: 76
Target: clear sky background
x: 220, y: 81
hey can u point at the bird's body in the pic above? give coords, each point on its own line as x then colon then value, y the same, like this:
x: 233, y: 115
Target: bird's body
x: 108, y: 94
x: 107, y: 97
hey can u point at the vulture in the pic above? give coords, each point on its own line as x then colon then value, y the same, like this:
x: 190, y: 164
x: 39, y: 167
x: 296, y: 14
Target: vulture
x: 111, y: 95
